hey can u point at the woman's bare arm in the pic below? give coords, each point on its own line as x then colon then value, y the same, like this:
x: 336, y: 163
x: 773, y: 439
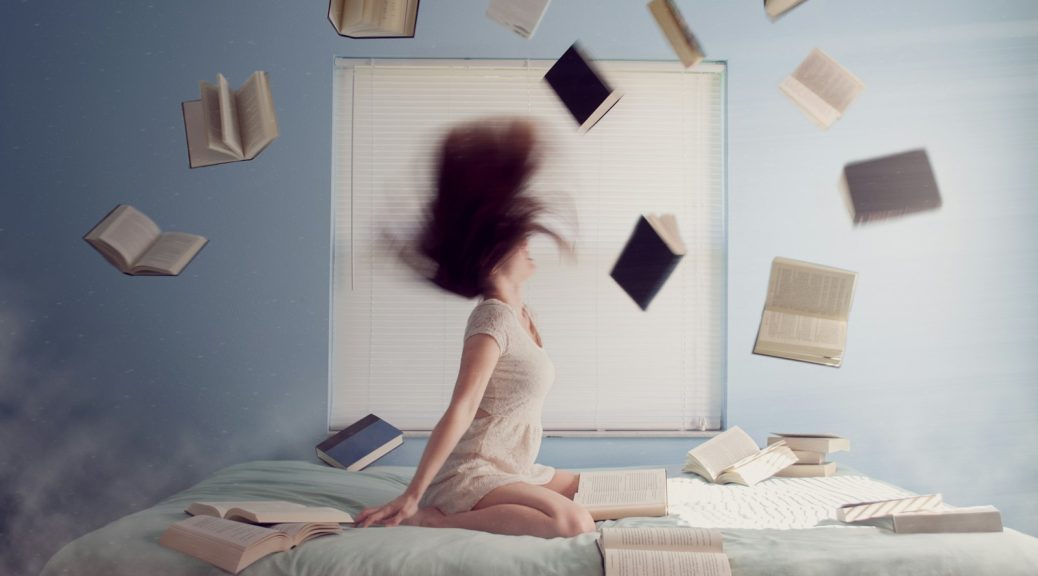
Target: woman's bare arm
x: 478, y: 359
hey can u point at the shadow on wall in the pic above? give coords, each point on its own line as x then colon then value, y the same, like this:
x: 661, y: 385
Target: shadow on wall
x: 63, y: 468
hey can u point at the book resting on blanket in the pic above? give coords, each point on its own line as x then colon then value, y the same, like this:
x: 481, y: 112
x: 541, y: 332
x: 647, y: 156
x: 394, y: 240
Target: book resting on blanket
x: 670, y: 551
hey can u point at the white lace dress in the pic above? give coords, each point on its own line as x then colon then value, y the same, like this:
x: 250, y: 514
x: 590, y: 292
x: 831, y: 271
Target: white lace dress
x: 502, y: 443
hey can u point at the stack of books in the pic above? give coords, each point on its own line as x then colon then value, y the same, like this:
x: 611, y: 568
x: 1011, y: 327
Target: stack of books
x: 812, y: 451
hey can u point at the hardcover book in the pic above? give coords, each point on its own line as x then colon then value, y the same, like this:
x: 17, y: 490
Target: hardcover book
x: 733, y: 457
x: 798, y: 470
x: 230, y: 125
x: 649, y: 258
x: 822, y: 88
x: 374, y: 18
x: 359, y: 444
x: 677, y: 32
x: 581, y: 88
x: 135, y: 245
x: 613, y: 494
x: 519, y: 16
x: 817, y: 443
x: 806, y: 312
x: 891, y: 186
x: 671, y: 551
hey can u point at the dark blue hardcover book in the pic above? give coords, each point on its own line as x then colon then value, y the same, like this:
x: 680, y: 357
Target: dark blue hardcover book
x: 650, y: 256
x: 581, y: 88
x: 360, y: 443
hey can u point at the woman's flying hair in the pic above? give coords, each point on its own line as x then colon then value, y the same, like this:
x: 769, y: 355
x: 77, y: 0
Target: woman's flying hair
x: 483, y: 208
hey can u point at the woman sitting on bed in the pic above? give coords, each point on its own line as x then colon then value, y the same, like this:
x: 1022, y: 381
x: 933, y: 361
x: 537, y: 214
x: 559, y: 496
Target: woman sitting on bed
x: 478, y: 470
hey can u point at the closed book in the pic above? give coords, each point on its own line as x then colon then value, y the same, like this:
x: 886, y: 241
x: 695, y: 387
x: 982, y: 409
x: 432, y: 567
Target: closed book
x: 971, y: 519
x: 776, y: 8
x: 809, y: 457
x: 858, y: 511
x: 649, y: 257
x: 581, y: 88
x: 807, y: 470
x: 891, y: 186
x: 360, y: 444
x: 677, y: 32
x: 823, y: 443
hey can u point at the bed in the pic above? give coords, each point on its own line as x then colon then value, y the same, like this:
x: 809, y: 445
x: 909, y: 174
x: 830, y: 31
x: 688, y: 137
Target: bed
x: 781, y: 526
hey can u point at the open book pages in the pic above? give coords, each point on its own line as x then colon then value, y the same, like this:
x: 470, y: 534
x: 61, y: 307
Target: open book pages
x: 857, y: 511
x: 758, y: 467
x: 519, y: 16
x: 232, y: 545
x: 806, y: 312
x: 134, y: 244
x: 613, y: 494
x: 677, y: 551
x: 677, y: 32
x: 822, y: 88
x: 374, y: 18
x: 269, y: 512
x: 228, y: 126
x: 712, y: 457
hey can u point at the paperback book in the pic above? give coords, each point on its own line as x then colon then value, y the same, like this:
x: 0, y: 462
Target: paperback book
x: 374, y: 18
x: 613, y: 494
x: 822, y: 88
x: 520, y: 16
x: 733, y: 457
x: 230, y: 125
x: 677, y: 32
x: 136, y: 246
x: 670, y: 551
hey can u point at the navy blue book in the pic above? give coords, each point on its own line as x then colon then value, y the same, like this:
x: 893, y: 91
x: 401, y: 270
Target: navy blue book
x: 650, y: 256
x: 581, y: 88
x: 360, y: 443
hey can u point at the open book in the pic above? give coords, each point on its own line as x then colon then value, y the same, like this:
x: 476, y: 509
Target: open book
x: 613, y: 494
x: 229, y: 125
x: 805, y: 315
x: 374, y: 18
x: 269, y: 512
x: 674, y: 28
x: 234, y: 545
x: 657, y: 551
x: 733, y: 457
x: 135, y: 245
x: 650, y: 256
x: 821, y: 88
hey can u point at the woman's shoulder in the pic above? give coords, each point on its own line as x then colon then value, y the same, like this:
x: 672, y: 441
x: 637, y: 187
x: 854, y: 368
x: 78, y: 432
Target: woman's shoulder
x: 491, y: 309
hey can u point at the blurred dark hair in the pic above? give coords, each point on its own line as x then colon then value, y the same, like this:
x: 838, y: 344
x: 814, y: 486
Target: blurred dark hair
x: 482, y: 209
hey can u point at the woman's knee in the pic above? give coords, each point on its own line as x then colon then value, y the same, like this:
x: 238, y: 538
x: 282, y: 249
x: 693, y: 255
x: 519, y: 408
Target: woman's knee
x: 574, y: 522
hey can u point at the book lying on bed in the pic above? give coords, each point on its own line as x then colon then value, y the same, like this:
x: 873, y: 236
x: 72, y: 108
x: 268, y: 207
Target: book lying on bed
x: 613, y: 494
x: 135, y: 245
x: 806, y: 312
x: 269, y: 512
x: 359, y: 444
x: 856, y: 511
x: 232, y: 545
x: 671, y: 551
x: 969, y: 519
x: 797, y: 470
x: 811, y: 451
x: 733, y: 457
x: 230, y: 125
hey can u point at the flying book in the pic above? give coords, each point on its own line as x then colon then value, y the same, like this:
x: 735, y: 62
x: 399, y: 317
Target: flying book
x: 777, y: 8
x: 519, y: 16
x: 359, y: 444
x: 816, y: 443
x: 230, y: 125
x: 676, y: 31
x: 135, y: 245
x: 374, y: 18
x: 581, y: 88
x: 821, y: 88
x: 649, y: 257
x: 269, y: 512
x: 232, y: 546
x: 670, y: 551
x: 733, y: 457
x: 613, y: 494
x: 805, y: 315
x: 857, y: 511
x: 891, y: 186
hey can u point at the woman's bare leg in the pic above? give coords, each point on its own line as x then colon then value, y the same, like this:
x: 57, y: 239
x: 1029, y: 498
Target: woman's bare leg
x: 518, y: 509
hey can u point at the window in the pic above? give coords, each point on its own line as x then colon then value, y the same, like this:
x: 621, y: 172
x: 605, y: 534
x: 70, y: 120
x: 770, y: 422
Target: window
x: 396, y: 340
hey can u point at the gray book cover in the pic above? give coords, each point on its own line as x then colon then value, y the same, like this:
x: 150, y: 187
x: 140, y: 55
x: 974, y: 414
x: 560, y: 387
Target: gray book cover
x: 892, y: 186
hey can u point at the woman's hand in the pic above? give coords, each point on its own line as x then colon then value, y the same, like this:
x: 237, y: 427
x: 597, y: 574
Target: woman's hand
x: 391, y: 513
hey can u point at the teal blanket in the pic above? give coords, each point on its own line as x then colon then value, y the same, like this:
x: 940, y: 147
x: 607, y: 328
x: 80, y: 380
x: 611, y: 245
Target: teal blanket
x: 129, y: 546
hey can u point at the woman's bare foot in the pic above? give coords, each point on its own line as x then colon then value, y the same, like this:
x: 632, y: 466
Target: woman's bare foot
x: 428, y: 517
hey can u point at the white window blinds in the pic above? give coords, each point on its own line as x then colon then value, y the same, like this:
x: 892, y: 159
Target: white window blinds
x: 396, y: 340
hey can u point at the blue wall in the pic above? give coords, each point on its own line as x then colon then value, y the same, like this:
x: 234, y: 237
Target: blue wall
x: 117, y: 391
